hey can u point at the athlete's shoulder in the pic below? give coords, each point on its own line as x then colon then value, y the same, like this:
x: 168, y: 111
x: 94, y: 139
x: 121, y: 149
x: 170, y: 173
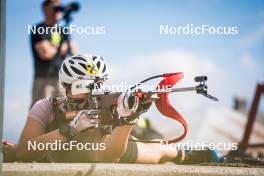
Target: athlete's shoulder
x: 45, y: 102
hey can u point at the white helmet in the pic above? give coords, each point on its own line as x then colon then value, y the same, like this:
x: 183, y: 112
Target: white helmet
x: 81, y: 67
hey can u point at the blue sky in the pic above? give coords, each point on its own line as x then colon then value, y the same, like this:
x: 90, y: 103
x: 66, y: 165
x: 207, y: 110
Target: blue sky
x: 132, y: 31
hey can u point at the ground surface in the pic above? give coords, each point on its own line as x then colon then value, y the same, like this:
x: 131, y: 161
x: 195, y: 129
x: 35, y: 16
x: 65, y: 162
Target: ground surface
x: 67, y: 169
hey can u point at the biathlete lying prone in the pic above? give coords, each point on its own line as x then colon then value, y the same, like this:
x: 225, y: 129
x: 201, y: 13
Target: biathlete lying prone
x: 46, y: 124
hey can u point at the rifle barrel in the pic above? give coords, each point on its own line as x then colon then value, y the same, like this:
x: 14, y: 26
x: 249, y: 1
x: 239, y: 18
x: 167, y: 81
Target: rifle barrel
x: 183, y: 89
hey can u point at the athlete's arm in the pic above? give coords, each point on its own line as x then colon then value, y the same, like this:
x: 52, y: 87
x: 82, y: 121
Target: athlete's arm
x: 115, y: 144
x: 34, y: 131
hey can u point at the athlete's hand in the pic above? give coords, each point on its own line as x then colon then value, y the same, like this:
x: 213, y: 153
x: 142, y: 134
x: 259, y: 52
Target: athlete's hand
x: 84, y: 120
x: 127, y: 104
x: 130, y: 105
x: 142, y: 108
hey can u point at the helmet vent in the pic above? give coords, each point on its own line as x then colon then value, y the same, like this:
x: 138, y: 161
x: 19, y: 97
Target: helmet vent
x: 98, y: 65
x: 94, y: 57
x: 79, y: 58
x: 66, y: 70
x: 77, y: 71
x: 83, y: 65
x: 104, y: 68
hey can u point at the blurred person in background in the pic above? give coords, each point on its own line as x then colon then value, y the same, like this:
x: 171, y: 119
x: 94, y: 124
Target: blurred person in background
x: 49, y: 49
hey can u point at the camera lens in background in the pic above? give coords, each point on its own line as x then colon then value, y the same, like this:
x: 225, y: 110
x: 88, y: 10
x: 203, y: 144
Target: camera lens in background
x: 73, y: 7
x: 59, y: 8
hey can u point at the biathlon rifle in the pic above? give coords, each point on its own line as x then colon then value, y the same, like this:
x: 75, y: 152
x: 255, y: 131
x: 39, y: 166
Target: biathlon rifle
x: 104, y: 104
